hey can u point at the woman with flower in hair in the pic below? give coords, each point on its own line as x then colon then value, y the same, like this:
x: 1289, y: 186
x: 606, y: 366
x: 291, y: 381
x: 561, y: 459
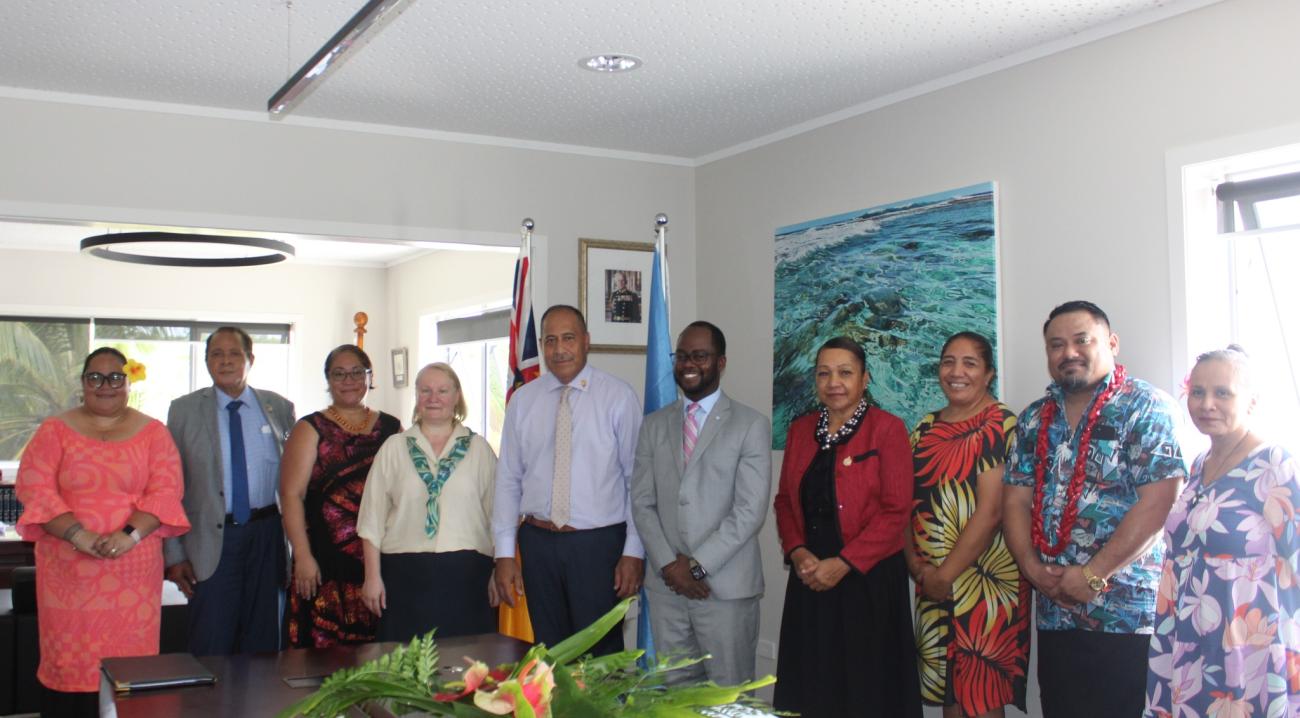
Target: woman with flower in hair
x: 1227, y: 628
x: 841, y: 510
x: 100, y: 486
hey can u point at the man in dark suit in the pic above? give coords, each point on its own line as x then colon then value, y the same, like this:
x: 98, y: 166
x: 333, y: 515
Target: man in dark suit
x: 700, y: 489
x: 231, y: 565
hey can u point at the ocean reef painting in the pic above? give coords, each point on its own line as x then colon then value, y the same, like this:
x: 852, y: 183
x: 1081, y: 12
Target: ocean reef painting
x: 899, y: 278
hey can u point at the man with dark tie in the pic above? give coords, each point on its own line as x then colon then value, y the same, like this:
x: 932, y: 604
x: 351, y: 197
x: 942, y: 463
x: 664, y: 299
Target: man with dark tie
x: 566, y: 462
x: 700, y: 494
x: 231, y: 565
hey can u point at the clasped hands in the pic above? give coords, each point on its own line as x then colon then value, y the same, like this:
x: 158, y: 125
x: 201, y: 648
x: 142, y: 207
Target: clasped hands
x: 1065, y: 585
x: 677, y: 575
x: 110, y: 545
x: 932, y: 583
x: 818, y: 574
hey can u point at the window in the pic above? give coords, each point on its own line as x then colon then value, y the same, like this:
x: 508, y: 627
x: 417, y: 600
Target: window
x: 41, y: 358
x: 477, y: 347
x: 1242, y: 250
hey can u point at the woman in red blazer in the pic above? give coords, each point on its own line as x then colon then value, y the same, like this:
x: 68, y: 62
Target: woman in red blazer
x: 847, y: 647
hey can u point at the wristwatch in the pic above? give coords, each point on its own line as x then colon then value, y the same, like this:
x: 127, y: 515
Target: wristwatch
x: 697, y: 571
x: 133, y: 532
x: 1095, y: 582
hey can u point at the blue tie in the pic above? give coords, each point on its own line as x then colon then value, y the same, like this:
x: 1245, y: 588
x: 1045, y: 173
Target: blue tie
x: 238, y: 465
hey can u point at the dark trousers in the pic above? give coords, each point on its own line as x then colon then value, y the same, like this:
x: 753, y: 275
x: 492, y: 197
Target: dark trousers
x: 61, y: 704
x: 1086, y: 674
x: 237, y: 609
x: 569, y: 579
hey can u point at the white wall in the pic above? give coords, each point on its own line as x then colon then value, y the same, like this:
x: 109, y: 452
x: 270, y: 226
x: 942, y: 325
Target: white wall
x: 66, y: 161
x: 318, y: 300
x: 1077, y: 143
x: 446, y: 281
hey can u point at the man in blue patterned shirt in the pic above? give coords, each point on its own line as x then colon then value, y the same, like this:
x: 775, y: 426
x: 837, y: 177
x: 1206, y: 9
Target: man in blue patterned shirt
x: 1093, y: 472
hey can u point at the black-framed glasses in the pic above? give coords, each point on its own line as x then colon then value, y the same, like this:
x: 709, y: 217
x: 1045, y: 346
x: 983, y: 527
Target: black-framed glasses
x: 96, y: 380
x: 357, y: 374
x: 699, y: 356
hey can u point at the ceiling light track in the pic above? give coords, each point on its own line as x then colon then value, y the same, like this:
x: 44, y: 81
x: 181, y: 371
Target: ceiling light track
x: 346, y: 42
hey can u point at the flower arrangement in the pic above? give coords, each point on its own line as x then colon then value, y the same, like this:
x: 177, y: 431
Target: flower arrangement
x: 558, y: 682
x: 134, y: 371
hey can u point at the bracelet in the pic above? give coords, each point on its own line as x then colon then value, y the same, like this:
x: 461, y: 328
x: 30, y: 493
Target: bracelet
x: 71, y: 532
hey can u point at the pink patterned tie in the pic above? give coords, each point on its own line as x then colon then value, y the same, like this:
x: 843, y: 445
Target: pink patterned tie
x: 691, y: 431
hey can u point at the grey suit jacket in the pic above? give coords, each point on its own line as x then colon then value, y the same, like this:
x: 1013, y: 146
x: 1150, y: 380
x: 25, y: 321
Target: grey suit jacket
x: 712, y: 508
x: 192, y: 421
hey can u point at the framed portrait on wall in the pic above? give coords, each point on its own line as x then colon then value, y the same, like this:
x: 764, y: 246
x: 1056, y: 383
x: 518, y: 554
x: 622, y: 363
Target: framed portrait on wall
x: 612, y: 277
x: 400, y: 378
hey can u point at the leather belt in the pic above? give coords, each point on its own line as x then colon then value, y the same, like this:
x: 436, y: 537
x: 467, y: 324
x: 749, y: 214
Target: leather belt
x: 545, y: 525
x: 265, y: 512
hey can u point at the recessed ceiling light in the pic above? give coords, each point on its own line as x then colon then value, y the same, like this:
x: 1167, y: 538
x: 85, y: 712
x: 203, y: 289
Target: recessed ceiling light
x: 610, y: 63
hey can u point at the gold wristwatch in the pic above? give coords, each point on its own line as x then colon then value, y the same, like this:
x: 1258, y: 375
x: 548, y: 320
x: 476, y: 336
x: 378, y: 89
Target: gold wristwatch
x: 1095, y: 582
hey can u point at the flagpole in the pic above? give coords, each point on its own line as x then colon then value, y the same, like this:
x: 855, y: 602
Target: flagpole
x: 661, y: 240
x: 524, y: 366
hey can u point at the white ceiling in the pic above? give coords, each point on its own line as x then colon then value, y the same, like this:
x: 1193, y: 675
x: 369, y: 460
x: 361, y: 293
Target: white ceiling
x: 719, y: 74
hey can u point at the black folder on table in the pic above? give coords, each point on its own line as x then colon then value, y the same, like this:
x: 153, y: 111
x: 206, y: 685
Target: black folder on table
x: 169, y: 670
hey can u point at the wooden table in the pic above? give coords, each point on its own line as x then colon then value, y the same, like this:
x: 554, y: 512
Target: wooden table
x: 253, y: 685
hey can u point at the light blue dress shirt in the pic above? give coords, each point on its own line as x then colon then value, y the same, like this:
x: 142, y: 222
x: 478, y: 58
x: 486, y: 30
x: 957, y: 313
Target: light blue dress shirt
x: 706, y: 407
x: 260, y: 451
x: 606, y: 421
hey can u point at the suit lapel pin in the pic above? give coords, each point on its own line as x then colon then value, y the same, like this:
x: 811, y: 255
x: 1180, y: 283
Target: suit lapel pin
x: 848, y: 461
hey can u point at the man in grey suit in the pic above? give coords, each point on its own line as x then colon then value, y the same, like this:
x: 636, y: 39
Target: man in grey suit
x: 231, y: 564
x: 701, y: 485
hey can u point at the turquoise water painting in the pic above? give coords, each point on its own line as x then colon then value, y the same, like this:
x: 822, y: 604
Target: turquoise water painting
x: 899, y: 278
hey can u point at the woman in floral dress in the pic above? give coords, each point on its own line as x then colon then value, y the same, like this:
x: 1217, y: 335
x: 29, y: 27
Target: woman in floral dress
x: 972, y: 608
x: 322, y: 476
x: 1227, y: 629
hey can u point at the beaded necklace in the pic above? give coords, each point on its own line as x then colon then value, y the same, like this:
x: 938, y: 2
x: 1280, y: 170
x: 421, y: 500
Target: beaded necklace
x: 1075, y: 488
x: 826, y: 439
x: 337, y: 417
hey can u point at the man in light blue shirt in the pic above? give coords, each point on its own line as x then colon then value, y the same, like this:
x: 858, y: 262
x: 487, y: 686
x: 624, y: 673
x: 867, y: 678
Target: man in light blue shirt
x: 567, y: 450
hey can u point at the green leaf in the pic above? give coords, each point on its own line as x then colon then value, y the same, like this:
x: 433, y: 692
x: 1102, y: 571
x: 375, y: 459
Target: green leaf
x: 582, y: 641
x: 569, y: 701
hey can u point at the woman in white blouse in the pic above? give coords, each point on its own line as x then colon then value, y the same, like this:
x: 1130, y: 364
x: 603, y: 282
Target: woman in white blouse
x: 425, y: 520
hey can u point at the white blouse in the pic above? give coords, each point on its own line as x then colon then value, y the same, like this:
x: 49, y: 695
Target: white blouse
x: 393, y: 505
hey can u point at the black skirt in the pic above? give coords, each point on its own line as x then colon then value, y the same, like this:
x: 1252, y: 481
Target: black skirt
x: 849, y: 651
x: 447, y: 591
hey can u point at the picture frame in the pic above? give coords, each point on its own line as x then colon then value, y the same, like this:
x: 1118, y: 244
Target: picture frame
x: 613, y: 286
x: 400, y: 378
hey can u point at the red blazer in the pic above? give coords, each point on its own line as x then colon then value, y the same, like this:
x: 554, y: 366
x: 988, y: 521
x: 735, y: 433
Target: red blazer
x: 874, y: 491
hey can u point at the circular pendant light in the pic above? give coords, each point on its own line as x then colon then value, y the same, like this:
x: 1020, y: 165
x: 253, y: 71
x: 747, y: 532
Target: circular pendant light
x: 175, y: 249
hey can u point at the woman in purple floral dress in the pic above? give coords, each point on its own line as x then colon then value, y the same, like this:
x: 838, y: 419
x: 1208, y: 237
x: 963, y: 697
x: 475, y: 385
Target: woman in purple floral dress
x: 1227, y: 628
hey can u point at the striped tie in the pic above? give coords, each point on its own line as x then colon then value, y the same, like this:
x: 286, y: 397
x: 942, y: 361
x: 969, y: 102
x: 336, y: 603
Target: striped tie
x: 691, y: 431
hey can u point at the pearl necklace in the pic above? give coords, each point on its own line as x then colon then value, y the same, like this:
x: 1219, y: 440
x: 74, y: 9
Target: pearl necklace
x: 826, y: 438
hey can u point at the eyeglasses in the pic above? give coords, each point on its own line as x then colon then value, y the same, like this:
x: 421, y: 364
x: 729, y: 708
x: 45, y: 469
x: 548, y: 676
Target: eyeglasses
x: 96, y: 380
x: 341, y: 376
x: 695, y: 357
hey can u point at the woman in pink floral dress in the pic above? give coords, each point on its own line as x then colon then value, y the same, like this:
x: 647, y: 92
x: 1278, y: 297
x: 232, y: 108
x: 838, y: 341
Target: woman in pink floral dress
x: 101, y: 487
x: 1227, y: 628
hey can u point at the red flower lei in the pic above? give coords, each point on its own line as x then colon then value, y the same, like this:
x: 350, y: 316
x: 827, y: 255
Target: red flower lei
x: 1075, y: 488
